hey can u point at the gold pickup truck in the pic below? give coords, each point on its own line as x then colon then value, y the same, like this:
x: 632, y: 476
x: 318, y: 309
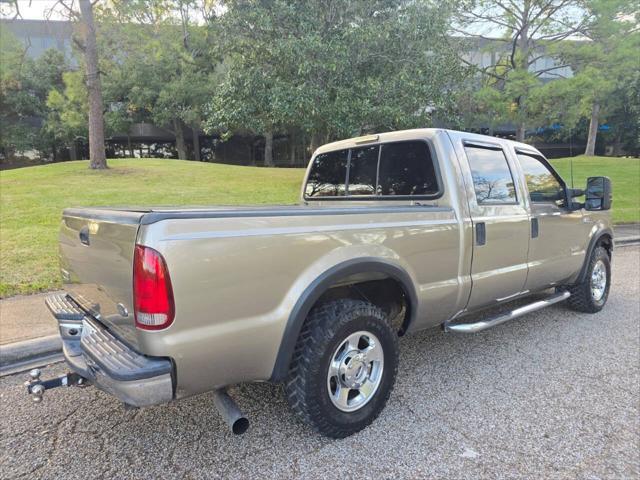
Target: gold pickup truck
x: 394, y: 233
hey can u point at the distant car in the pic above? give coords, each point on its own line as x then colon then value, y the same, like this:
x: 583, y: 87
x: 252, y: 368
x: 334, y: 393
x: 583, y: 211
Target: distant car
x: 395, y: 233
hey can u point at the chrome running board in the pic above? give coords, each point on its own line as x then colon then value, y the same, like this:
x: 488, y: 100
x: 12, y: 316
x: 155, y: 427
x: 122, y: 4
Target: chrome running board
x: 505, y: 317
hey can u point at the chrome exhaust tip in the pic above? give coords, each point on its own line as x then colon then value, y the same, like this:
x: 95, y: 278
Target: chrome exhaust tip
x: 230, y: 412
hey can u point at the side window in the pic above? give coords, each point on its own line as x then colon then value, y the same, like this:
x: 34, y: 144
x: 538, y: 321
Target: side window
x: 328, y: 175
x: 406, y: 168
x: 363, y: 168
x: 492, y: 177
x: 542, y: 184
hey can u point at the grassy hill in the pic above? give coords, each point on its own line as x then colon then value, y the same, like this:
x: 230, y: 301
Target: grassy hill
x: 32, y: 198
x: 624, y: 174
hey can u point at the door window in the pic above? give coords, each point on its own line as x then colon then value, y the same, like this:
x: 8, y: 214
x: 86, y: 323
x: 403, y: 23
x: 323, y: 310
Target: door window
x: 542, y: 183
x: 492, y: 177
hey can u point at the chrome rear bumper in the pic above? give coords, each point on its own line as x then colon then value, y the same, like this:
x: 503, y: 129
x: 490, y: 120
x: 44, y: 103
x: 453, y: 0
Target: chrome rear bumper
x: 94, y: 353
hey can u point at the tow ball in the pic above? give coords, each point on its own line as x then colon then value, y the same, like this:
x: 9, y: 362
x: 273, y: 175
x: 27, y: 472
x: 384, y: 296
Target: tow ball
x: 37, y: 387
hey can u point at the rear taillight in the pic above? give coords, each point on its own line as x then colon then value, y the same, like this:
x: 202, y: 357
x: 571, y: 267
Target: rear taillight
x: 152, y: 293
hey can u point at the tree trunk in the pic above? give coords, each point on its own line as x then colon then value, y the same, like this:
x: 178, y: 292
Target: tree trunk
x: 268, y: 149
x: 523, y: 66
x: 315, y: 142
x: 617, y: 145
x: 593, y: 129
x: 196, y: 144
x: 98, y: 159
x: 130, y: 147
x: 73, y: 152
x: 292, y: 149
x: 181, y: 146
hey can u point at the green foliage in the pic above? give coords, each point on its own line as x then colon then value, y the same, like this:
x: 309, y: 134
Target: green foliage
x: 333, y: 69
x: 24, y: 86
x: 527, y: 31
x: 68, y: 109
x: 163, y: 71
x: 606, y: 72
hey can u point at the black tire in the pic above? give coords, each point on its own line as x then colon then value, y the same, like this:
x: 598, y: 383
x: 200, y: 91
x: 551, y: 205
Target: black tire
x: 582, y: 299
x: 324, y: 330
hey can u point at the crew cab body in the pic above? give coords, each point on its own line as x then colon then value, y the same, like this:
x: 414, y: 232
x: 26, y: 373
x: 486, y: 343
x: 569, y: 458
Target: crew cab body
x: 432, y: 225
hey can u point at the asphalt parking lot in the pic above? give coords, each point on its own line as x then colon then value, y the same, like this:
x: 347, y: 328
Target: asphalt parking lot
x: 555, y: 394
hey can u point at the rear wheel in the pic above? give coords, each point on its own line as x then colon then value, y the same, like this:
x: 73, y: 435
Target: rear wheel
x: 592, y: 293
x: 344, y: 367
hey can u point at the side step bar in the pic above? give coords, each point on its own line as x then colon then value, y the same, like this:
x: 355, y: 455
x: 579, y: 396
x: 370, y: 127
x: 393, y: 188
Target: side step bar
x: 505, y: 317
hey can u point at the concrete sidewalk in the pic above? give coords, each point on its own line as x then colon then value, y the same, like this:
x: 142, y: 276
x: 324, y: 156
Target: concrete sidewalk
x: 26, y: 317
x: 627, y: 233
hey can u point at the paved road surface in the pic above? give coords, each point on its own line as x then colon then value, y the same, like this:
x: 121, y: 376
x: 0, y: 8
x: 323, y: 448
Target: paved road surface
x: 552, y: 395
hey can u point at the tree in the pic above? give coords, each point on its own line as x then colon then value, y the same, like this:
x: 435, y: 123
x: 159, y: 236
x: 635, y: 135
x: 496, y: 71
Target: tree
x: 87, y: 43
x: 24, y: 86
x: 530, y: 29
x: 607, y: 62
x: 605, y: 65
x: 97, y: 155
x: 162, y: 65
x: 332, y: 69
x: 68, y: 111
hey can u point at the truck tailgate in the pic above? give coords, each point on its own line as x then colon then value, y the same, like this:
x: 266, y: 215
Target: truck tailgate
x: 96, y: 262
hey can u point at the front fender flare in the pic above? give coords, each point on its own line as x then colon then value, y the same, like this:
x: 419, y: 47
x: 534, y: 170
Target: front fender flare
x: 595, y: 240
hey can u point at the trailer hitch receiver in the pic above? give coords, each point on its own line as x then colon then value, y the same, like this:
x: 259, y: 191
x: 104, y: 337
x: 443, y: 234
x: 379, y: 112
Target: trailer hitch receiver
x: 36, y: 387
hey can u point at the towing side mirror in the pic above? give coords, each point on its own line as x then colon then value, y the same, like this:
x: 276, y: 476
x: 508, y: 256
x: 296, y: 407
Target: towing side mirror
x: 598, y: 193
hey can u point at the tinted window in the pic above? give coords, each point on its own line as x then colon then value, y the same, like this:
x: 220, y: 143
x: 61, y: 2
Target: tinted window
x: 363, y: 168
x: 491, y: 175
x: 542, y: 185
x: 406, y: 168
x: 328, y: 175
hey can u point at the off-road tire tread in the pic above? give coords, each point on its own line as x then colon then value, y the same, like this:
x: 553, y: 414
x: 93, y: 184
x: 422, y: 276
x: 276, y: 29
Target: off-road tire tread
x: 319, y: 329
x: 580, y: 299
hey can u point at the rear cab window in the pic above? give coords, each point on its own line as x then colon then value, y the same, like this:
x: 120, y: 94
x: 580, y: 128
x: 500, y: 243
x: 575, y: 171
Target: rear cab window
x: 328, y: 176
x: 392, y: 170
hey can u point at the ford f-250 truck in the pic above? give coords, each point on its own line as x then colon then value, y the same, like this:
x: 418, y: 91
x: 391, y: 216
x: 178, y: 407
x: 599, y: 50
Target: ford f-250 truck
x: 395, y: 233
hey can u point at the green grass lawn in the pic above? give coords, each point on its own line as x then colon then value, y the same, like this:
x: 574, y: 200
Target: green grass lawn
x: 625, y: 177
x: 32, y: 198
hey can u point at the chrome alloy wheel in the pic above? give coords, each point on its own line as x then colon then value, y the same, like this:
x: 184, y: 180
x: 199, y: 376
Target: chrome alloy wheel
x: 598, y: 280
x: 355, y: 371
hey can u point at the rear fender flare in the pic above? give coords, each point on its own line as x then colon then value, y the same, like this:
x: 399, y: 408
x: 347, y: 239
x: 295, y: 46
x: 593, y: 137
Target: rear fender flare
x: 319, y: 286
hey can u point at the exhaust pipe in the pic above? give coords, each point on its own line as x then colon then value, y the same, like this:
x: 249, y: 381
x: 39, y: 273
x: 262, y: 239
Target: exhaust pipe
x: 230, y: 412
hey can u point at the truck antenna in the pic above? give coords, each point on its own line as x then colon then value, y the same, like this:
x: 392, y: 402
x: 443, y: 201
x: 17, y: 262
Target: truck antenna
x: 571, y: 154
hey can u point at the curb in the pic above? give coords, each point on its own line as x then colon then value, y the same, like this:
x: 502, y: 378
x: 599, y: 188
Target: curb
x: 22, y: 352
x: 626, y: 241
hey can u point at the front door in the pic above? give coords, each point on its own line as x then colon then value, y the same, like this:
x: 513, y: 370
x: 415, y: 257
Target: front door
x: 556, y: 249
x: 501, y: 226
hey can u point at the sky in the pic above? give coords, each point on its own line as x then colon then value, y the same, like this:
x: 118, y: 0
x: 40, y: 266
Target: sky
x: 32, y: 10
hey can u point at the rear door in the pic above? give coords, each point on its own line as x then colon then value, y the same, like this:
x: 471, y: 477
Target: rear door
x: 556, y: 248
x: 501, y: 225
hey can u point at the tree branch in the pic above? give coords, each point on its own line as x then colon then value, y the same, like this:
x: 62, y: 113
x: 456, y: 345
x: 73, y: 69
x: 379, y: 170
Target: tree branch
x: 550, y: 69
x: 484, y: 71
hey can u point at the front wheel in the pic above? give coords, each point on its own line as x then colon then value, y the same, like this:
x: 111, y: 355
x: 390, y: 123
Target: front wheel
x: 344, y: 367
x: 592, y: 293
